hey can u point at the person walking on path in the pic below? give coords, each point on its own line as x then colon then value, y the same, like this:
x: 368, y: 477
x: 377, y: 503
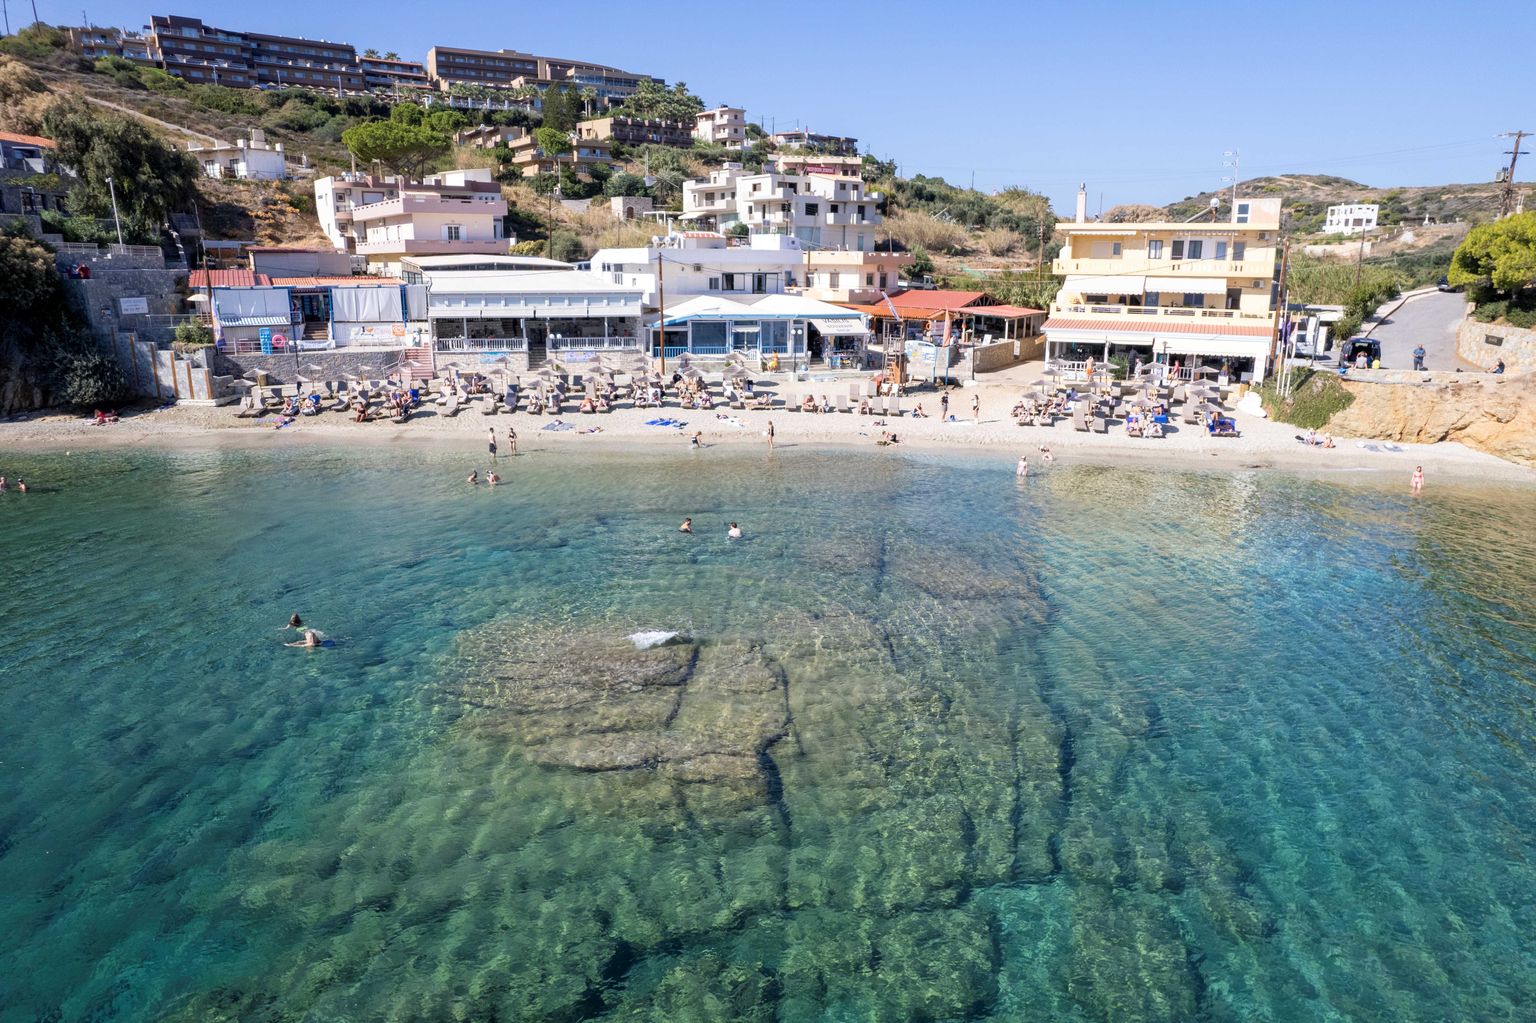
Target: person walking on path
x: 490, y: 439
x: 770, y: 435
x: 1418, y: 357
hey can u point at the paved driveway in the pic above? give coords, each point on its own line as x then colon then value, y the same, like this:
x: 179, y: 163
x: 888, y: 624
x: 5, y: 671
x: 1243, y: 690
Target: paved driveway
x: 1429, y: 320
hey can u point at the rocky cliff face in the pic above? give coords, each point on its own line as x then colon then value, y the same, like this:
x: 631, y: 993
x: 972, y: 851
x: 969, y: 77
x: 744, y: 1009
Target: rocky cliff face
x: 1496, y: 416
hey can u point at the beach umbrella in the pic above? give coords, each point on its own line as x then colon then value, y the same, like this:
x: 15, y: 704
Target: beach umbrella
x: 1205, y: 371
x: 691, y: 373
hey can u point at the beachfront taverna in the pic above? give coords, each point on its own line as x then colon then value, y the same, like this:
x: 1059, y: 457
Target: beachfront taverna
x: 1195, y: 293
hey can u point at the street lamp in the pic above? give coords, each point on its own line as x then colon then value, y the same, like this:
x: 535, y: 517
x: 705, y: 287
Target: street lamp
x: 112, y: 190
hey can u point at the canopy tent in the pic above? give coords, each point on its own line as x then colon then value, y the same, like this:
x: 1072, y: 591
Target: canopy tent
x: 252, y: 307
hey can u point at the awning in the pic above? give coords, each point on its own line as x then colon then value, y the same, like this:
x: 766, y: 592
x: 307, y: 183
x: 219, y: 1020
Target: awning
x: 1128, y: 284
x: 695, y: 215
x: 366, y: 305
x: 252, y: 307
x: 1188, y: 285
x: 840, y: 328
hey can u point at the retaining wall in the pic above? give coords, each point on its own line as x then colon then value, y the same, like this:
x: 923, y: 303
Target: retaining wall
x: 1516, y: 345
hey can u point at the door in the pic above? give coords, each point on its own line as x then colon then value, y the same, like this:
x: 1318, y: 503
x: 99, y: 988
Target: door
x: 1234, y: 297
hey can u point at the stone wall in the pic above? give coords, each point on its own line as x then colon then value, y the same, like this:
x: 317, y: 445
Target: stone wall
x: 1002, y: 354
x: 1517, y: 345
x: 284, y: 368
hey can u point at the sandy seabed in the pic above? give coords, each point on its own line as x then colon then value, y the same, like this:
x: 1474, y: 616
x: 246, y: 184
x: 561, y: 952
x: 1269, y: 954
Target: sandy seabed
x: 1262, y: 444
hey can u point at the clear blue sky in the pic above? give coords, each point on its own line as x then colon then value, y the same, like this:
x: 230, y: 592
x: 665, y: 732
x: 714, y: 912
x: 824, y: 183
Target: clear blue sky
x: 1139, y: 100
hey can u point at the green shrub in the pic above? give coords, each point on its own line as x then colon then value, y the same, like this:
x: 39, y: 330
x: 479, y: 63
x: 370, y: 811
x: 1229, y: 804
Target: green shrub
x: 89, y: 379
x: 192, y: 336
x: 226, y: 100
x: 1525, y: 318
x: 1316, y: 397
x: 566, y: 247
x: 1490, y: 311
x: 157, y: 80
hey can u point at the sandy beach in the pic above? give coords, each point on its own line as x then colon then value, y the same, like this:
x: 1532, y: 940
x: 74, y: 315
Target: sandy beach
x: 1262, y: 444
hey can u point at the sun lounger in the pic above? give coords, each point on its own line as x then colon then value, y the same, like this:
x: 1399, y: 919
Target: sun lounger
x: 248, y: 407
x: 451, y: 406
x: 791, y: 402
x: 1080, y: 418
x: 1100, y: 424
x: 848, y: 402
x: 893, y: 406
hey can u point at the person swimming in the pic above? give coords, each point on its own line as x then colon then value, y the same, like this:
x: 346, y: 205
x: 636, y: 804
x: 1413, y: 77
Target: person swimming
x: 734, y: 532
x: 311, y: 639
x: 686, y: 527
x: 492, y: 478
x: 295, y: 622
x: 473, y: 478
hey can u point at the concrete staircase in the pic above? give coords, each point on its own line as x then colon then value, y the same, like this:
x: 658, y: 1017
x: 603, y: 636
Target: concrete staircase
x: 421, y: 365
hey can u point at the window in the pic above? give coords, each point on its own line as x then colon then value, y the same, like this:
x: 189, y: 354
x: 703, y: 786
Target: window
x: 1115, y: 249
x: 1152, y: 299
x: 1238, y: 250
x: 452, y: 232
x: 1178, y: 248
x: 1221, y: 250
x: 832, y: 208
x: 882, y: 282
x: 834, y: 278
x: 812, y: 209
x: 861, y: 212
x: 1194, y: 301
x: 714, y: 284
x: 730, y: 282
x: 869, y: 280
x: 1155, y: 248
x: 1242, y: 213
x: 1196, y: 247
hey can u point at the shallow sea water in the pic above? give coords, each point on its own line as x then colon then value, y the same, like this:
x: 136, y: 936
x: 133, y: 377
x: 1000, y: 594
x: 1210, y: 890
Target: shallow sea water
x: 1105, y: 744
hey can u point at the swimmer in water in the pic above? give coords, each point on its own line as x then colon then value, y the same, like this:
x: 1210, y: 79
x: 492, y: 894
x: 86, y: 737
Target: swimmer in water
x: 473, y: 478
x: 492, y: 478
x: 734, y: 532
x: 311, y: 639
x: 21, y: 485
x: 1022, y: 469
x: 295, y: 622
x: 686, y: 527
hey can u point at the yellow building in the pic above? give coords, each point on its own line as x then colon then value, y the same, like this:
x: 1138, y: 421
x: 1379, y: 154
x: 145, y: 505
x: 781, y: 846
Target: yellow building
x: 1197, y: 293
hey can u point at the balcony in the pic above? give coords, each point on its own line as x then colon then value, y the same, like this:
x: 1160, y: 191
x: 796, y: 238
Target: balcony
x: 483, y: 204
x: 432, y: 246
x: 1253, y: 267
x: 1168, y: 314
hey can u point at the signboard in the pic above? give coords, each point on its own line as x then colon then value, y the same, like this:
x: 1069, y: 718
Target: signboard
x: 398, y: 330
x: 133, y: 306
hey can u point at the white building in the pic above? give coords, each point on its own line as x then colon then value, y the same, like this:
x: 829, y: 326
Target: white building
x: 318, y: 313
x: 825, y: 208
x: 384, y: 220
x: 1353, y: 219
x: 722, y: 126
x: 705, y: 263
x: 248, y: 159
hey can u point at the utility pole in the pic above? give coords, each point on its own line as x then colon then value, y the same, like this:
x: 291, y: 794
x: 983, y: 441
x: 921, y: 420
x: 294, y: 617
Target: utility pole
x: 1233, y: 160
x: 112, y: 188
x: 661, y: 307
x: 1360, y: 257
x: 1282, y: 314
x: 1040, y: 255
x: 1507, y: 197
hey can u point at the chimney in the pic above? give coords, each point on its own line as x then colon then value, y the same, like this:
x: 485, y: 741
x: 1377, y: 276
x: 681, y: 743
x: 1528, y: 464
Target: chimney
x: 1082, y: 203
x: 258, y: 138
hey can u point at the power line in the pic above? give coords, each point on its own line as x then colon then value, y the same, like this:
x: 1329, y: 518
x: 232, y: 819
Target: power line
x: 1507, y: 196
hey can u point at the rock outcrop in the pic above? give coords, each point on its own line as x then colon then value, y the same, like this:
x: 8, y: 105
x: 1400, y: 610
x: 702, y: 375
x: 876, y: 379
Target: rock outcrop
x: 1497, y: 416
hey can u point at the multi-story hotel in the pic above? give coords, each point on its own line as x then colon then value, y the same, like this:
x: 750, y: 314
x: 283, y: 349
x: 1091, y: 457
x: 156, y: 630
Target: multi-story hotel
x: 722, y: 126
x: 823, y: 210
x: 385, y: 219
x: 510, y: 69
x: 1194, y: 293
x: 837, y: 145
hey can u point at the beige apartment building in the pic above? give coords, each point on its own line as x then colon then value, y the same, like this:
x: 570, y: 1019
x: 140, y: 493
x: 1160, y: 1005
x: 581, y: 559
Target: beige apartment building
x: 722, y: 126
x: 833, y: 275
x: 823, y: 210
x: 1200, y: 293
x: 510, y: 69
x: 456, y: 212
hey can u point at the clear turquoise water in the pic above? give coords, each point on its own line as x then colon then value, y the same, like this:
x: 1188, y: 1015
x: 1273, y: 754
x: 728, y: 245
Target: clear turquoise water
x: 1105, y: 745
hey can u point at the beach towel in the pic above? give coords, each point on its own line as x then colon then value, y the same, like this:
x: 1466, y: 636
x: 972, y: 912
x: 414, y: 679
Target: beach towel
x: 558, y: 426
x: 677, y: 424
x: 732, y: 421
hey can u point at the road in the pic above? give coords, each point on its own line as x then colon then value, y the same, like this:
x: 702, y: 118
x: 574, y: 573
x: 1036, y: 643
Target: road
x: 1429, y: 320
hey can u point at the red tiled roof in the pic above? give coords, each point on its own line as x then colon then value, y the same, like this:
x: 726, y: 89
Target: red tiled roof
x: 1142, y: 326
x: 240, y: 278
x: 327, y: 282
x: 937, y: 299
x: 28, y: 140
x: 291, y: 248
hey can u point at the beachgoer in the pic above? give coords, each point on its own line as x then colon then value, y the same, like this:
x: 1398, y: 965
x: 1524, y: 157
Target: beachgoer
x: 1327, y: 440
x: 1418, y: 357
x: 511, y: 441
x: 1022, y: 469
x: 473, y: 479
x: 311, y: 639
x: 1046, y: 455
x: 686, y: 527
x: 492, y: 478
x: 295, y: 622
x: 21, y: 485
x: 1498, y: 367
x: 1418, y: 479
x: 490, y: 439
x: 734, y: 532
x: 944, y: 406
x: 1311, y: 440
x: 4, y: 486
x: 694, y: 442
x: 770, y: 434
x: 918, y: 412
x: 976, y: 407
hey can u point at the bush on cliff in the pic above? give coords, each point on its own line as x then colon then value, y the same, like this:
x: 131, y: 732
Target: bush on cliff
x: 1315, y: 398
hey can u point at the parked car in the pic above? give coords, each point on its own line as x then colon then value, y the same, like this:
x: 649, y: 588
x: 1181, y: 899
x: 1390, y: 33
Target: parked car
x: 1444, y: 284
x: 1351, y: 350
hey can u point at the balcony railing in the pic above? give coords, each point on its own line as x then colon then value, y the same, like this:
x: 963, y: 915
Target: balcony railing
x: 617, y: 343
x: 481, y: 344
x: 1144, y: 310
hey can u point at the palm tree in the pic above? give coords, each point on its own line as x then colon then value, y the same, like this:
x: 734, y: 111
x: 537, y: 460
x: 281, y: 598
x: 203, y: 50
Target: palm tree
x: 391, y: 55
x: 371, y: 53
x: 587, y: 94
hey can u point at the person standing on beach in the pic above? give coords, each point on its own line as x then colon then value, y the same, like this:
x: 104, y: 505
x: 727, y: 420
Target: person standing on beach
x: 1418, y: 479
x: 770, y: 435
x: 944, y: 407
x: 511, y: 442
x: 490, y: 439
x: 695, y: 442
x: 976, y: 408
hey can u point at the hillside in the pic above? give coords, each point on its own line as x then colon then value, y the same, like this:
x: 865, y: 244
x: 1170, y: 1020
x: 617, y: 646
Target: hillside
x: 1306, y: 198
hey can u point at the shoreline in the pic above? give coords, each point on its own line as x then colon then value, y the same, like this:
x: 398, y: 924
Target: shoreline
x: 1263, y: 445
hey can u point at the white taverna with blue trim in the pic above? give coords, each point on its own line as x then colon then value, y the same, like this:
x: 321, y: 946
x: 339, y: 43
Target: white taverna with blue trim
x: 761, y: 326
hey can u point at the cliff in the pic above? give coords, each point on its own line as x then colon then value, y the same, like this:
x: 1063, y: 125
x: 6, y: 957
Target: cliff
x: 1496, y: 415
